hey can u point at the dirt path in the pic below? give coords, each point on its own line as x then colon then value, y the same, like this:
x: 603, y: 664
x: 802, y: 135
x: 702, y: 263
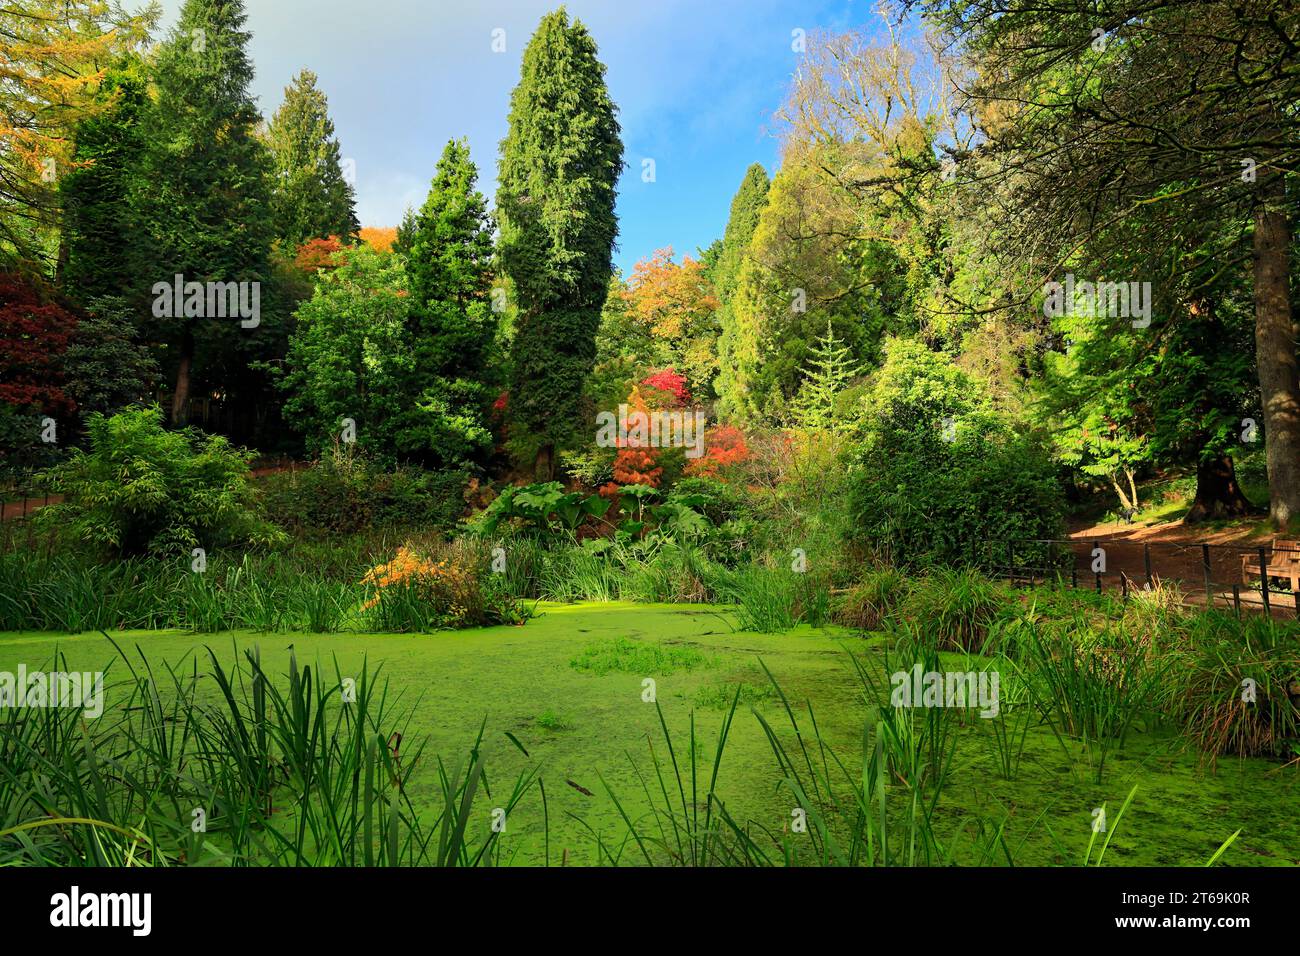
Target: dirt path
x: 1195, y: 558
x: 12, y: 510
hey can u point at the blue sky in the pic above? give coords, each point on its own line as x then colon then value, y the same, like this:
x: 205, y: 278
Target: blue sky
x: 696, y: 82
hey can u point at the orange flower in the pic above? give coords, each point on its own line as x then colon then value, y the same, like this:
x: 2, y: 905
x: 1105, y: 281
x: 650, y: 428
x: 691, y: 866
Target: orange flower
x: 408, y: 569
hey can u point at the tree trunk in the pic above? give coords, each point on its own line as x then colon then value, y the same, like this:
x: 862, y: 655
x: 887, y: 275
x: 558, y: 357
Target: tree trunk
x: 1123, y: 498
x: 1217, y: 493
x: 181, y: 396
x: 1275, y: 353
x: 544, y: 467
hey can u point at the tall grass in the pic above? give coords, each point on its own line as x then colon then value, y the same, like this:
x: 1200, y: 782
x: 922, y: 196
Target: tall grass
x: 309, y: 774
x: 1017, y: 713
x: 209, y: 765
x: 261, y: 593
x: 861, y: 814
x: 872, y: 600
x: 1237, y: 685
x: 957, y: 607
x: 1092, y: 689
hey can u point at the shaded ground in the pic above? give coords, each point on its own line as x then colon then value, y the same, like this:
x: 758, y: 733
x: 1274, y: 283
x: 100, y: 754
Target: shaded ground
x: 1176, y: 554
x: 20, y: 507
x: 12, y: 510
x: 589, y: 725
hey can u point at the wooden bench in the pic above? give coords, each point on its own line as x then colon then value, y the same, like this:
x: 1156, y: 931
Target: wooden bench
x: 1283, y: 561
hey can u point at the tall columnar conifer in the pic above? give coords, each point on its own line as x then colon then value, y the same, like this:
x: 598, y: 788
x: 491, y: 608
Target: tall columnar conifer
x: 204, y: 194
x: 746, y: 208
x: 560, y: 163
x: 102, y: 253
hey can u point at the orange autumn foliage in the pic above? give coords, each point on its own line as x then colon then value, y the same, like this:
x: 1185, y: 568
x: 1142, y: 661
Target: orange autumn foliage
x: 316, y: 254
x: 633, y: 465
x: 724, y: 445
x: 668, y: 298
x: 438, y: 582
x: 379, y: 238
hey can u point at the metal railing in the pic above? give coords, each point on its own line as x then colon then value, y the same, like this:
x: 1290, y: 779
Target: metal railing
x: 21, y: 494
x: 1206, y: 574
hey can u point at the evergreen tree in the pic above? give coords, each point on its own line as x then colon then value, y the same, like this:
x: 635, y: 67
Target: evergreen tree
x: 349, y: 355
x: 560, y: 163
x: 106, y: 366
x: 405, y: 232
x: 451, y: 323
x: 310, y: 198
x: 204, y: 191
x: 746, y: 208
x: 813, y: 257
x: 101, y: 239
x: 828, y: 373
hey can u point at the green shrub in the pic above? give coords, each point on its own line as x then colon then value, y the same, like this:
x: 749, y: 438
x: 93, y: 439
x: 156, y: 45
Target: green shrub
x: 141, y: 489
x: 954, y: 609
x: 872, y: 600
x: 331, y: 496
x: 720, y: 502
x: 342, y: 494
x: 1223, y: 663
x: 543, y: 508
x: 941, y: 472
x: 925, y: 502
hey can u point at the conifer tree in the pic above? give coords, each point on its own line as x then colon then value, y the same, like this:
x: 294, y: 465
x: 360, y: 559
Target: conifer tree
x: 829, y: 371
x: 560, y: 163
x: 451, y: 324
x: 746, y: 208
x: 204, y: 192
x: 102, y: 253
x: 311, y: 199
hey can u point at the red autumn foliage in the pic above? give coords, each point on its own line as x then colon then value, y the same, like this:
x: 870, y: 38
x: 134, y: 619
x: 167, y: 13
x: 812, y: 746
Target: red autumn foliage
x: 633, y: 465
x: 724, y: 445
x: 671, y: 382
x: 34, y: 335
x: 315, y: 254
